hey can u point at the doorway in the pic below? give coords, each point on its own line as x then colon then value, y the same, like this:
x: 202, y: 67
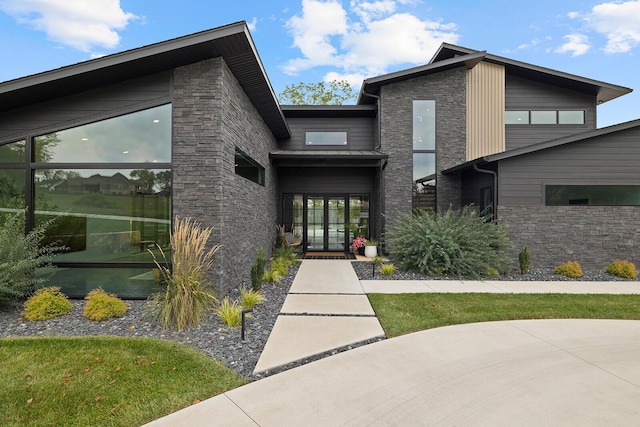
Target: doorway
x: 326, y: 222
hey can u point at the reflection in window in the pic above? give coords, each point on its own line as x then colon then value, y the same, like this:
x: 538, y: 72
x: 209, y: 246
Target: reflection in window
x: 140, y: 137
x: 13, y: 152
x: 12, y: 195
x: 325, y: 138
x: 424, y: 156
x: 106, y: 215
x: 248, y: 168
x: 424, y: 125
x: 594, y: 195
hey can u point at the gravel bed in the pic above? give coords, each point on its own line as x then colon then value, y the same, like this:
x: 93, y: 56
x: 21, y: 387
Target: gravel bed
x: 364, y: 270
x: 212, y: 337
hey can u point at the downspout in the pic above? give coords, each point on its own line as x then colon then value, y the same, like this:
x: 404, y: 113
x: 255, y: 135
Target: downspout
x: 494, y: 208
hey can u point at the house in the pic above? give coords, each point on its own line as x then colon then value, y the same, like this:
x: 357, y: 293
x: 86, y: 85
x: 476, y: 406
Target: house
x: 195, y: 122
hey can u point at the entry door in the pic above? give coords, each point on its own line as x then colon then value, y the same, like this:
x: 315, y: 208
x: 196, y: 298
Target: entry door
x: 326, y: 218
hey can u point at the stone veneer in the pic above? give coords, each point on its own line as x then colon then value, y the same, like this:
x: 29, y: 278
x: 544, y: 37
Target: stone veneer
x: 592, y: 235
x: 211, y: 116
x: 448, y: 89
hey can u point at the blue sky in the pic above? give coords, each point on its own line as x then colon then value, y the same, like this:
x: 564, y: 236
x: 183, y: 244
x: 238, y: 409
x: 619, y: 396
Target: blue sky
x: 313, y: 40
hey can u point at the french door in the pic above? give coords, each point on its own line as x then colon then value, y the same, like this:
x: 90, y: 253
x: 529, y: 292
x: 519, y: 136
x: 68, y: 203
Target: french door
x: 325, y: 223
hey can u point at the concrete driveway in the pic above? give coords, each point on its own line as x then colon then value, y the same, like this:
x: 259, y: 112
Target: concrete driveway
x: 525, y: 373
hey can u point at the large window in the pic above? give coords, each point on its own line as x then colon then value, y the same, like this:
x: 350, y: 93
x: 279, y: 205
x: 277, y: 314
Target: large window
x: 248, y: 168
x: 424, y: 155
x: 108, y: 186
x: 595, y: 195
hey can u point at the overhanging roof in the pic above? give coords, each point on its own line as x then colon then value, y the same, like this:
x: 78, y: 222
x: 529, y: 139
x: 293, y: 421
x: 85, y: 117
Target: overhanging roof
x: 298, y: 158
x: 232, y: 42
x: 603, y: 91
x: 372, y: 85
x: 331, y: 111
x: 529, y: 149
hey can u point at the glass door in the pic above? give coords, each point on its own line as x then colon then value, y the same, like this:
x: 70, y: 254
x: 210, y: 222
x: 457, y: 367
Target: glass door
x: 315, y: 223
x: 326, y: 219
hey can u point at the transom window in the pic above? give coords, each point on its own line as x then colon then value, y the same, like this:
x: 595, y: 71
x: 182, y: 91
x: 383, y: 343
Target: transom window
x: 544, y: 117
x: 325, y: 138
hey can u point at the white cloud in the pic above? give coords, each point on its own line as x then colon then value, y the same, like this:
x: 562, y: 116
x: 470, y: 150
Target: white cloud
x: 80, y: 24
x: 576, y: 45
x: 619, y: 23
x: 253, y: 24
x: 365, y: 40
x: 573, y: 15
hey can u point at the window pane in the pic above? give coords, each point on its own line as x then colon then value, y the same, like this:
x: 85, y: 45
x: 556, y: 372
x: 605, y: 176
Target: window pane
x: 424, y: 125
x: 543, y: 117
x: 12, y: 190
x: 124, y: 282
x: 106, y: 215
x: 571, y: 117
x: 141, y: 137
x: 248, y: 168
x: 13, y: 152
x: 516, y: 117
x: 424, y: 180
x: 325, y: 138
x: 595, y: 195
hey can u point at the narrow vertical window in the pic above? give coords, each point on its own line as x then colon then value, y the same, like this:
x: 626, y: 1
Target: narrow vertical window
x: 424, y: 155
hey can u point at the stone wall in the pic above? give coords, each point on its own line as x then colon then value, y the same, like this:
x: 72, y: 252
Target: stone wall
x: 448, y: 89
x: 592, y: 235
x: 211, y: 116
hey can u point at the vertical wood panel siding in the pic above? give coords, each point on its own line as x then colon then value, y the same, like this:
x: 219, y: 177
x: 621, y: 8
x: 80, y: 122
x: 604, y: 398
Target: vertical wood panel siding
x: 485, y: 110
x: 360, y: 132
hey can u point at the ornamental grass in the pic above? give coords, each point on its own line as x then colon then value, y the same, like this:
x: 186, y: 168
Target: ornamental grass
x: 188, y: 294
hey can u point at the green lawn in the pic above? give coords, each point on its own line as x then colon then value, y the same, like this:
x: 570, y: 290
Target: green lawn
x: 104, y: 381
x: 406, y: 313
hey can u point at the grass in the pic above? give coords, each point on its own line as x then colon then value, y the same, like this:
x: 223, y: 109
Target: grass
x: 401, y: 314
x: 106, y: 381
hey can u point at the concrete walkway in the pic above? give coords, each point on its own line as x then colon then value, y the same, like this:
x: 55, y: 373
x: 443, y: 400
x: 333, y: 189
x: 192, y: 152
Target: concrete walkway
x: 326, y: 309
x: 528, y: 372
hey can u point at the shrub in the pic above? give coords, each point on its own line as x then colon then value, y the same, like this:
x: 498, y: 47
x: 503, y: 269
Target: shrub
x: 230, y: 312
x: 455, y: 243
x: 569, y: 269
x: 25, y: 263
x: 493, y: 272
x: 47, y: 303
x: 524, y: 257
x: 257, y: 270
x: 387, y: 269
x: 622, y: 268
x: 286, y: 253
x: 271, y: 276
x: 250, y: 298
x: 188, y: 293
x: 377, y: 261
x: 280, y: 265
x: 371, y: 243
x: 102, y: 306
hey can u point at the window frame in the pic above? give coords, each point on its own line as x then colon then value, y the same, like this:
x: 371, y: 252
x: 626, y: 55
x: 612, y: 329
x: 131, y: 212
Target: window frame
x: 340, y: 135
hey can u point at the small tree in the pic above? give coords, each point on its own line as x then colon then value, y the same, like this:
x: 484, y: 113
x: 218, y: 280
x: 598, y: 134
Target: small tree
x: 336, y: 92
x: 257, y: 271
x: 25, y: 264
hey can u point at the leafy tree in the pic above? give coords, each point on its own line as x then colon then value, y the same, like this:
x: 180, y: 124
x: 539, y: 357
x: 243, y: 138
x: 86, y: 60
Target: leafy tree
x: 146, y: 180
x: 337, y: 92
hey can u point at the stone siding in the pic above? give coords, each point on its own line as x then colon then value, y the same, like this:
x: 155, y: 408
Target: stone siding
x: 448, y: 89
x: 592, y: 235
x: 211, y: 116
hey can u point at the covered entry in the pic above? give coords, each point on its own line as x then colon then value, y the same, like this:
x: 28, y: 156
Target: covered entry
x: 327, y: 222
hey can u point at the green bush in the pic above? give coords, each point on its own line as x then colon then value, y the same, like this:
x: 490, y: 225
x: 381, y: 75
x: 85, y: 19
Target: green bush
x: 47, y: 303
x: 524, y: 257
x: 622, y: 268
x: 455, y: 243
x: 257, y: 270
x: 230, y: 312
x: 250, y: 298
x: 286, y: 253
x: 387, y: 269
x: 188, y: 295
x: 569, y: 269
x: 102, y: 306
x: 272, y: 276
x: 378, y: 261
x: 25, y: 263
x: 280, y: 265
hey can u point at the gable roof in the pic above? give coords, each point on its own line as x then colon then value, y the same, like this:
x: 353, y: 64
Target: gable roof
x: 233, y: 42
x: 545, y: 145
x: 450, y: 56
